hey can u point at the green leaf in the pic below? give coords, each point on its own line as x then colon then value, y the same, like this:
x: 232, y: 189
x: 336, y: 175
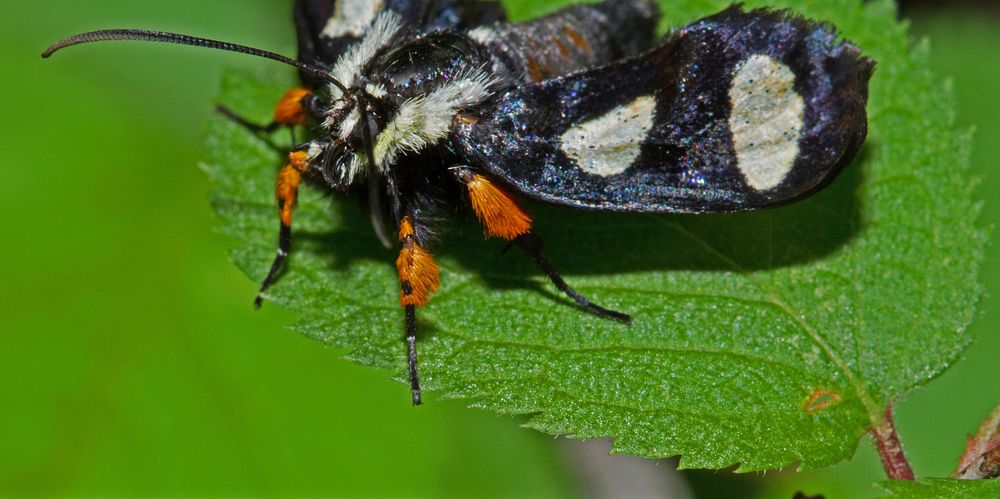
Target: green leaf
x: 760, y: 339
x: 943, y: 488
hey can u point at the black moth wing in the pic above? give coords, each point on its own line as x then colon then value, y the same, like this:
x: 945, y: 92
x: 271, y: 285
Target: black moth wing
x: 318, y: 45
x: 737, y: 111
x: 577, y: 37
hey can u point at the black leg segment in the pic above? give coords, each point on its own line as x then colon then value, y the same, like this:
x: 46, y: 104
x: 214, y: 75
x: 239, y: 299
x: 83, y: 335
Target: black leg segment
x: 411, y: 347
x: 532, y: 245
x: 245, y: 123
x: 284, y: 246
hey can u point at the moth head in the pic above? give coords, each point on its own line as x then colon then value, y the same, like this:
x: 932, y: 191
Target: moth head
x: 401, y: 97
x: 390, y: 93
x: 352, y: 122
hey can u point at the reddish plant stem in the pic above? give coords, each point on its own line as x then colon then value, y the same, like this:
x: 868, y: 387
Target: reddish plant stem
x: 890, y: 449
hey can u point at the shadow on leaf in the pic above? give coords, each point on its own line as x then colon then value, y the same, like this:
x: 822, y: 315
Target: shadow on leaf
x: 594, y: 243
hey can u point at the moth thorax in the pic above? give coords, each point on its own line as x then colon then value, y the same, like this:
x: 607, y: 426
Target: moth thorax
x: 420, y: 66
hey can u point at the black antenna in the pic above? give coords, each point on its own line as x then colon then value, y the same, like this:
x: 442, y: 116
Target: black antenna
x: 163, y: 37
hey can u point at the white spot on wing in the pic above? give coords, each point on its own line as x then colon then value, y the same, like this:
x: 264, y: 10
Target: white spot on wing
x: 351, y: 17
x: 610, y: 143
x: 483, y: 34
x: 765, y: 121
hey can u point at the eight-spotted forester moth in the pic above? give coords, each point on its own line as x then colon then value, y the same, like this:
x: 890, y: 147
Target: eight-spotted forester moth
x: 426, y: 103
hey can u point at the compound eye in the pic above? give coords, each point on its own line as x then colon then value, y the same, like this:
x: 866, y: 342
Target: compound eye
x: 335, y: 165
x: 424, y: 64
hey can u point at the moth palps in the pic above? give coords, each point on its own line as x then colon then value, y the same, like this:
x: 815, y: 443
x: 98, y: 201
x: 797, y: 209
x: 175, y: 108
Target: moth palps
x: 424, y: 104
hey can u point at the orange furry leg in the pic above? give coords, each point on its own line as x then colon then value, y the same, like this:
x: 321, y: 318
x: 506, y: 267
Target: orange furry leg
x: 419, y: 277
x: 286, y: 189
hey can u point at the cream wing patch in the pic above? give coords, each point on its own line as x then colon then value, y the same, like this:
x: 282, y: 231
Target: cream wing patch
x: 351, y: 17
x: 483, y: 34
x: 609, y: 144
x: 766, y: 120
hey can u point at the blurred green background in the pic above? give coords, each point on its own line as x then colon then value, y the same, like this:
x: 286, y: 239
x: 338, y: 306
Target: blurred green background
x: 131, y: 361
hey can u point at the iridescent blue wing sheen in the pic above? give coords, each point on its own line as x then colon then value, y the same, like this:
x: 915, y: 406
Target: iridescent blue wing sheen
x: 738, y: 111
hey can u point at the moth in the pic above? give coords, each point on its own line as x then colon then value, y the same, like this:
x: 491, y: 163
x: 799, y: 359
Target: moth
x: 420, y: 105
